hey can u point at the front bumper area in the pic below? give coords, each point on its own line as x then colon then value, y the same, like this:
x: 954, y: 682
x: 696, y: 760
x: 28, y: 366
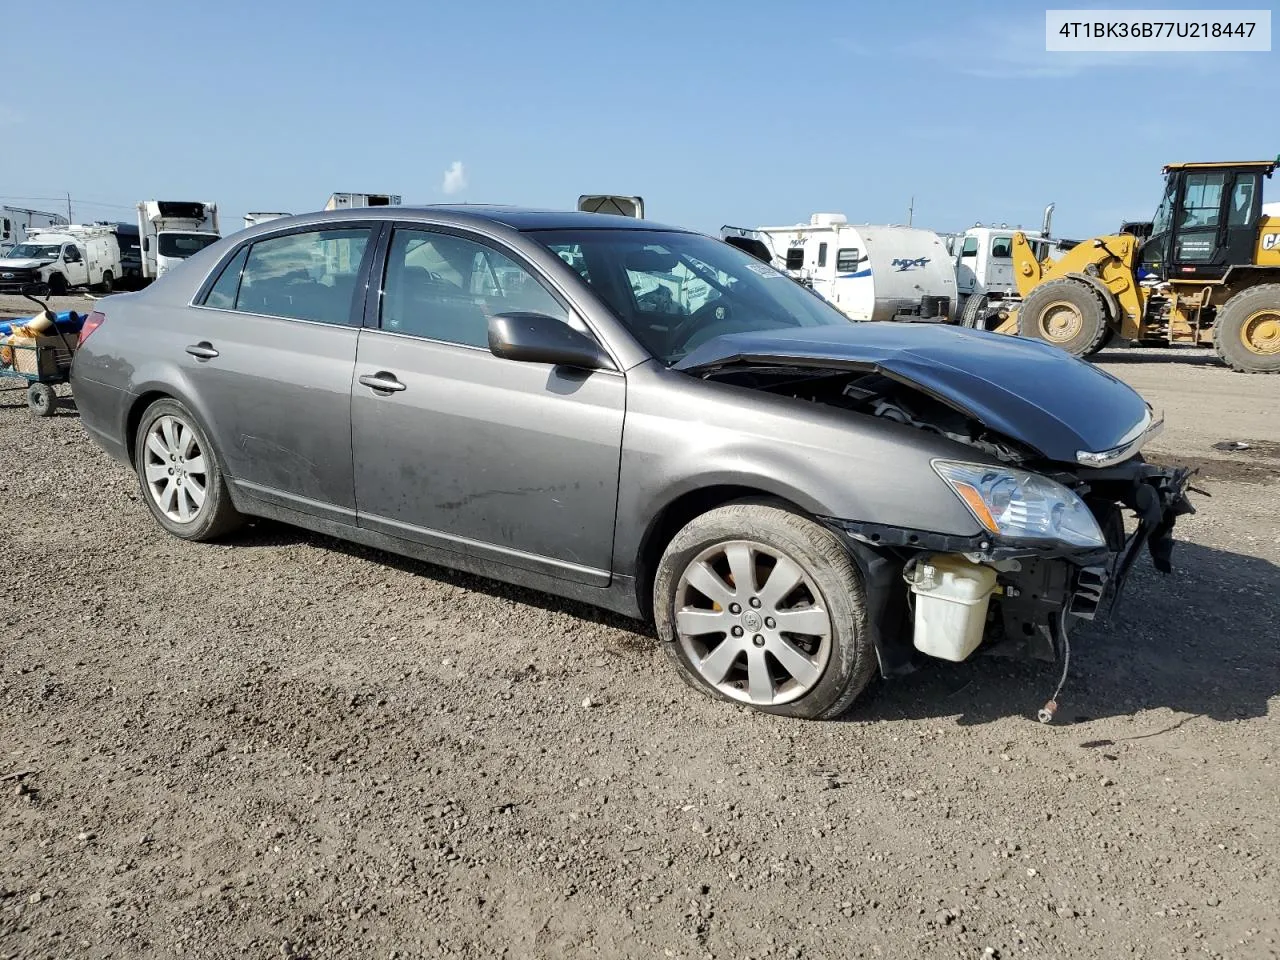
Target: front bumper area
x: 1039, y: 584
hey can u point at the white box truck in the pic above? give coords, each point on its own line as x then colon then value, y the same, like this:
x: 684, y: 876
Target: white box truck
x: 253, y: 219
x: 867, y: 272
x: 16, y: 221
x: 63, y: 257
x: 344, y: 201
x: 172, y: 230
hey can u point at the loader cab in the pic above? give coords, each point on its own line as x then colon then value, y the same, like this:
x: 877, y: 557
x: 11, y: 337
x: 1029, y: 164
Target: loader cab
x: 1207, y: 221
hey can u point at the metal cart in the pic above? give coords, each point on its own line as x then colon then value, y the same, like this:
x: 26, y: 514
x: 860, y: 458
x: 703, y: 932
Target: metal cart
x: 44, y: 364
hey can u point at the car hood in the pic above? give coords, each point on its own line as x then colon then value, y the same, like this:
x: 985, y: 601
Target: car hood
x: 1027, y: 390
x: 23, y: 264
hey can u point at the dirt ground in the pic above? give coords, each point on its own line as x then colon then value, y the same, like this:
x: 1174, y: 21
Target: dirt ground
x: 288, y: 746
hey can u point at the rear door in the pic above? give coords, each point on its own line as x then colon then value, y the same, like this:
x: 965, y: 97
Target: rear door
x: 269, y: 355
x: 453, y: 447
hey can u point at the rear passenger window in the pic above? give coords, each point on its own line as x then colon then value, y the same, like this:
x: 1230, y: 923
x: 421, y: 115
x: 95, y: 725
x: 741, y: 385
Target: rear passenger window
x: 303, y: 276
x: 443, y: 287
x: 222, y: 294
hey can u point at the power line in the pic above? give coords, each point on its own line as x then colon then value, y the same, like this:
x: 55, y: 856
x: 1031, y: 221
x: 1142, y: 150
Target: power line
x: 63, y: 199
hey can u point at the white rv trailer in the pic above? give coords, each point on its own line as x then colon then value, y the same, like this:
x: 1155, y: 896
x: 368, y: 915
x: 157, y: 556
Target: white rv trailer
x: 345, y: 201
x: 867, y: 272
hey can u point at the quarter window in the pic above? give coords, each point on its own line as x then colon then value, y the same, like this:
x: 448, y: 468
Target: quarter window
x: 847, y: 260
x: 301, y: 276
x: 446, y: 288
x: 222, y: 294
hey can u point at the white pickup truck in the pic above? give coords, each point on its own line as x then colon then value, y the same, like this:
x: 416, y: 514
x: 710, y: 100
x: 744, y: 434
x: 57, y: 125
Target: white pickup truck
x: 63, y: 257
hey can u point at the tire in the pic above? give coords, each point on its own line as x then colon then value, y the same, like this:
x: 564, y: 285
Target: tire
x: 1106, y: 341
x: 1066, y: 313
x: 108, y: 282
x: 214, y: 514
x: 57, y: 285
x: 1246, y: 334
x: 811, y: 676
x: 42, y: 399
x: 975, y: 313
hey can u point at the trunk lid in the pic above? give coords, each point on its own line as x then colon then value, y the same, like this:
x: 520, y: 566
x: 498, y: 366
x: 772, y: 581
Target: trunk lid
x: 1029, y: 391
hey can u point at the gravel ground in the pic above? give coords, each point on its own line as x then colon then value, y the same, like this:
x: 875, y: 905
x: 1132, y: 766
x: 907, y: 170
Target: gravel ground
x: 289, y: 746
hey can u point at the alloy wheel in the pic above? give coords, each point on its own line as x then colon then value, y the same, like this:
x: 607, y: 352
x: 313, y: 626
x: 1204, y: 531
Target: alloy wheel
x: 175, y: 468
x: 752, y: 622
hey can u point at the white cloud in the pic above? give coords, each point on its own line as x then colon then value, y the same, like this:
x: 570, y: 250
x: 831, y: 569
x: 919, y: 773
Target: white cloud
x: 455, y: 178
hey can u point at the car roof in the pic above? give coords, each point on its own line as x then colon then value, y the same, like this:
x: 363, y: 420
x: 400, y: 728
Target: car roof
x: 515, y: 218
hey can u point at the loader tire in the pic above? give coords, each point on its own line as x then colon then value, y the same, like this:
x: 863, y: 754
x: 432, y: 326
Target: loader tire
x: 1066, y: 313
x: 1246, y: 334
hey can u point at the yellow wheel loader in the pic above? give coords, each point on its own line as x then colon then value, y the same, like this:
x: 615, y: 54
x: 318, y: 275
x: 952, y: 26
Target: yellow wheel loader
x: 1209, y: 272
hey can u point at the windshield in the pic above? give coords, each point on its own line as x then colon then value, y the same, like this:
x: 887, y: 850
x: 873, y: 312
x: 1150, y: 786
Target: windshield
x: 183, y: 245
x: 676, y: 291
x: 35, y: 251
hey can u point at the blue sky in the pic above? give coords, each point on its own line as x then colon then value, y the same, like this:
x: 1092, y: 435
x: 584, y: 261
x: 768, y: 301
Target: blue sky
x: 742, y: 112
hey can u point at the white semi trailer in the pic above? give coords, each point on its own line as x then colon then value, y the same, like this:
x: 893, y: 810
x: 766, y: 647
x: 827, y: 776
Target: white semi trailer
x: 16, y: 221
x: 867, y: 272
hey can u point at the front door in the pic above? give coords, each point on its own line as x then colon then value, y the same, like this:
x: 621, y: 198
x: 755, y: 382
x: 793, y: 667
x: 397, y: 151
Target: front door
x: 269, y: 356
x: 508, y: 461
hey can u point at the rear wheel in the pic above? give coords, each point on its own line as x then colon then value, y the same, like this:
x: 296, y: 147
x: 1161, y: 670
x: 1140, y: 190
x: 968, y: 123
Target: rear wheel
x: 1066, y: 313
x: 181, y: 480
x: 761, y: 606
x: 42, y: 399
x: 108, y: 282
x: 1246, y: 334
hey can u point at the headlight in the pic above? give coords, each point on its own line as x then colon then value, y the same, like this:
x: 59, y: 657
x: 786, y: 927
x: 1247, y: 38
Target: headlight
x: 1020, y: 505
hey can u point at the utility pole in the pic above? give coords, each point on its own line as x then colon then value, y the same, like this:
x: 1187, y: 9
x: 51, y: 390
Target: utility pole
x: 911, y: 209
x: 68, y: 206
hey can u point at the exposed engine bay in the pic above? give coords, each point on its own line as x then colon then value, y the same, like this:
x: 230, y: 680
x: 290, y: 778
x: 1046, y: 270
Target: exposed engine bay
x: 877, y: 395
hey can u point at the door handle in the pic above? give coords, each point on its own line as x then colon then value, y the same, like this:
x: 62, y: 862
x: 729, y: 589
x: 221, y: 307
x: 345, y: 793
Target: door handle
x: 382, y: 381
x: 202, y: 350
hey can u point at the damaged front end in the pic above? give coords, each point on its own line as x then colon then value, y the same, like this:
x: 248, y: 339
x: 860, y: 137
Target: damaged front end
x: 1039, y: 584
x: 1062, y: 497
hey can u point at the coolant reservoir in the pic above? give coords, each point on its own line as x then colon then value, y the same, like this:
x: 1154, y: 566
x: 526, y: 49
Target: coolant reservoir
x: 952, y: 594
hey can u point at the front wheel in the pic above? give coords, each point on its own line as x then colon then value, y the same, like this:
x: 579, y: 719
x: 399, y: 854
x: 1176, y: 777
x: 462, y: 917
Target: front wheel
x: 57, y: 285
x: 975, y: 312
x: 758, y: 605
x: 1066, y: 313
x: 181, y: 480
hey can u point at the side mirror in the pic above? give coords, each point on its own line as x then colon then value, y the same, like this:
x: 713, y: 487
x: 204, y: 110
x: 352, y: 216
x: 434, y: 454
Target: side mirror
x: 537, y: 338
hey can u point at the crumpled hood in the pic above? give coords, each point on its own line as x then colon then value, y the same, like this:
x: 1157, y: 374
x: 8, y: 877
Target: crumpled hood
x: 23, y: 264
x: 1029, y: 391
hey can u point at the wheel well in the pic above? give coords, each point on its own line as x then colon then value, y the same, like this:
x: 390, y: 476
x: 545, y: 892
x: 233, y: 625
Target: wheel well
x: 1241, y: 278
x: 135, y: 417
x: 672, y: 519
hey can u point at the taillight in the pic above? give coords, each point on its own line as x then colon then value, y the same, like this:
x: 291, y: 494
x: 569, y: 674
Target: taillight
x: 91, y: 323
